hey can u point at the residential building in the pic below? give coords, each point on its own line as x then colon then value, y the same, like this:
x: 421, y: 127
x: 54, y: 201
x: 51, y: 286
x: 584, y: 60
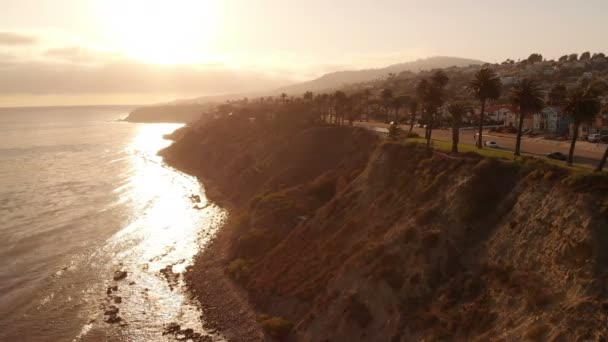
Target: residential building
x: 556, y: 122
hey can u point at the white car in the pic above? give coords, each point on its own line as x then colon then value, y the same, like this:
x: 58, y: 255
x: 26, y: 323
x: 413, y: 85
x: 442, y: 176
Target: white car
x: 593, y: 138
x: 491, y: 144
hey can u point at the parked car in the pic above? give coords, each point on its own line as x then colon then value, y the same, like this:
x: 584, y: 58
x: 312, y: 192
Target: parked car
x: 556, y: 156
x: 491, y: 144
x: 593, y: 137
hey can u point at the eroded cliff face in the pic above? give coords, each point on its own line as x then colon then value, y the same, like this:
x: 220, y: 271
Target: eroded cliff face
x: 352, y: 240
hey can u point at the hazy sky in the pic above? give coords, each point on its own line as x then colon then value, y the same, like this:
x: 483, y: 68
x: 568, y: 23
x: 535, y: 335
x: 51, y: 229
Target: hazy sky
x: 117, y: 51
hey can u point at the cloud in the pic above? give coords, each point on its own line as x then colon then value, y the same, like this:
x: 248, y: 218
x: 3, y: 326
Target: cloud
x: 77, y: 54
x: 127, y: 76
x: 10, y: 38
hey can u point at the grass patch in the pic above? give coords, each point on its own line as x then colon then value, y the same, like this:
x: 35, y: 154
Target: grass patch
x: 277, y: 327
x: 446, y: 146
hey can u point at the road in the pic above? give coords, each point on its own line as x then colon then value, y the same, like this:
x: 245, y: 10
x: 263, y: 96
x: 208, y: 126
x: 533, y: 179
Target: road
x: 586, y: 153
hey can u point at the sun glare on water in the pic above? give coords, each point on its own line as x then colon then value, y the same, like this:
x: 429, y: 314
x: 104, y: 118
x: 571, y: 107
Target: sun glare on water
x: 160, y: 31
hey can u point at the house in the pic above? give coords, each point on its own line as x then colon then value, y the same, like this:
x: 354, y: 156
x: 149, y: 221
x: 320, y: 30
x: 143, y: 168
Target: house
x: 556, y: 122
x: 600, y: 124
x: 549, y: 72
x: 508, y: 80
x: 498, y: 113
x: 583, y: 130
x: 511, y: 119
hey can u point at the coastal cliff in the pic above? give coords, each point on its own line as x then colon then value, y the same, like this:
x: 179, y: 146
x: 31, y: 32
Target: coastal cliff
x: 182, y: 113
x: 337, y: 236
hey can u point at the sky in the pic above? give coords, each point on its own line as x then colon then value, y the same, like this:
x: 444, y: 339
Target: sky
x: 71, y: 52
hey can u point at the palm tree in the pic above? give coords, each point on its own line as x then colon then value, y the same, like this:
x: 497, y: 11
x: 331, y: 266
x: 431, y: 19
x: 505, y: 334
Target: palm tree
x: 558, y: 94
x: 527, y: 97
x: 365, y: 97
x: 600, y: 167
x: 386, y: 96
x: 431, y: 94
x: 485, y: 86
x: 422, y: 89
x: 308, y: 96
x: 457, y: 111
x: 582, y: 105
x: 340, y: 106
x: 413, y: 107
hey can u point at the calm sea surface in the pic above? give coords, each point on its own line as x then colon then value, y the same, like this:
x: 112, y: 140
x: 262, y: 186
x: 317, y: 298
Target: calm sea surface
x: 81, y: 197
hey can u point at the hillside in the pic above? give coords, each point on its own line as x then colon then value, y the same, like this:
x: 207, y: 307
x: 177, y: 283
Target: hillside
x: 348, y: 239
x: 339, y: 79
x: 169, y: 113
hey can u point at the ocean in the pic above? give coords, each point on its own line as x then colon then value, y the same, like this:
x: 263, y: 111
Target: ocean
x: 82, y: 196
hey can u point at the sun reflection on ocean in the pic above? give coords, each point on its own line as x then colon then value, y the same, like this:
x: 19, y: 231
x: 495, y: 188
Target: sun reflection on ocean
x: 164, y: 233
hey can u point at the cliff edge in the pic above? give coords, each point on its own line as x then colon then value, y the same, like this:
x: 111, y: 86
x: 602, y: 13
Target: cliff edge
x: 337, y: 236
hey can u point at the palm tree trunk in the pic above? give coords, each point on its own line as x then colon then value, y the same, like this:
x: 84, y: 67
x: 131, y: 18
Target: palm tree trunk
x: 520, y: 127
x: 603, y: 161
x: 412, y: 122
x: 483, y: 109
x: 573, y: 144
x: 430, y: 131
x: 455, y: 136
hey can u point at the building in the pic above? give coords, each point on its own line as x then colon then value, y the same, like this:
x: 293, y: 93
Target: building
x: 508, y: 80
x: 556, y: 122
x: 511, y: 119
x: 498, y: 114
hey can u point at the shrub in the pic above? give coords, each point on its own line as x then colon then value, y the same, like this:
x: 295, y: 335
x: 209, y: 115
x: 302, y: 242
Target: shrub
x: 239, y: 269
x: 323, y: 188
x: 394, y: 132
x: 412, y: 135
x: 277, y: 327
x: 358, y: 312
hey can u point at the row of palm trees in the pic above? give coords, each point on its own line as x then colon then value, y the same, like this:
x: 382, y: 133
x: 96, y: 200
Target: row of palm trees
x: 582, y: 104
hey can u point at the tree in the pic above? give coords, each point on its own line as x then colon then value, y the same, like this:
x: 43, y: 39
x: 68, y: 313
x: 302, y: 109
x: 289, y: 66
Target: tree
x: 600, y: 167
x: 387, y: 97
x: 413, y: 107
x: 398, y: 103
x: 558, y: 94
x: 394, y: 132
x: 597, y: 56
x: 535, y: 57
x: 365, y: 97
x: 485, y: 86
x: 284, y: 97
x: 457, y: 112
x: 527, y: 96
x: 583, y: 104
x: 422, y: 94
x: 308, y: 96
x: 573, y: 57
x: 563, y: 58
x: 431, y: 94
x: 585, y: 56
x: 340, y: 104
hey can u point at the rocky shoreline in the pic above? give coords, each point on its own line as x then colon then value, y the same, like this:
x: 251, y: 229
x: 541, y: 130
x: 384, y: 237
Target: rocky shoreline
x: 225, y: 306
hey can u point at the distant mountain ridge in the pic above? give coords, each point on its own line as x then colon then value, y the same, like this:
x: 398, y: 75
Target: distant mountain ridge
x: 339, y: 79
x: 187, y: 110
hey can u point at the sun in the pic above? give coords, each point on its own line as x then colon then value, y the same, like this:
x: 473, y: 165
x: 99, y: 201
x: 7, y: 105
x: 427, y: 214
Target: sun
x: 160, y: 31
